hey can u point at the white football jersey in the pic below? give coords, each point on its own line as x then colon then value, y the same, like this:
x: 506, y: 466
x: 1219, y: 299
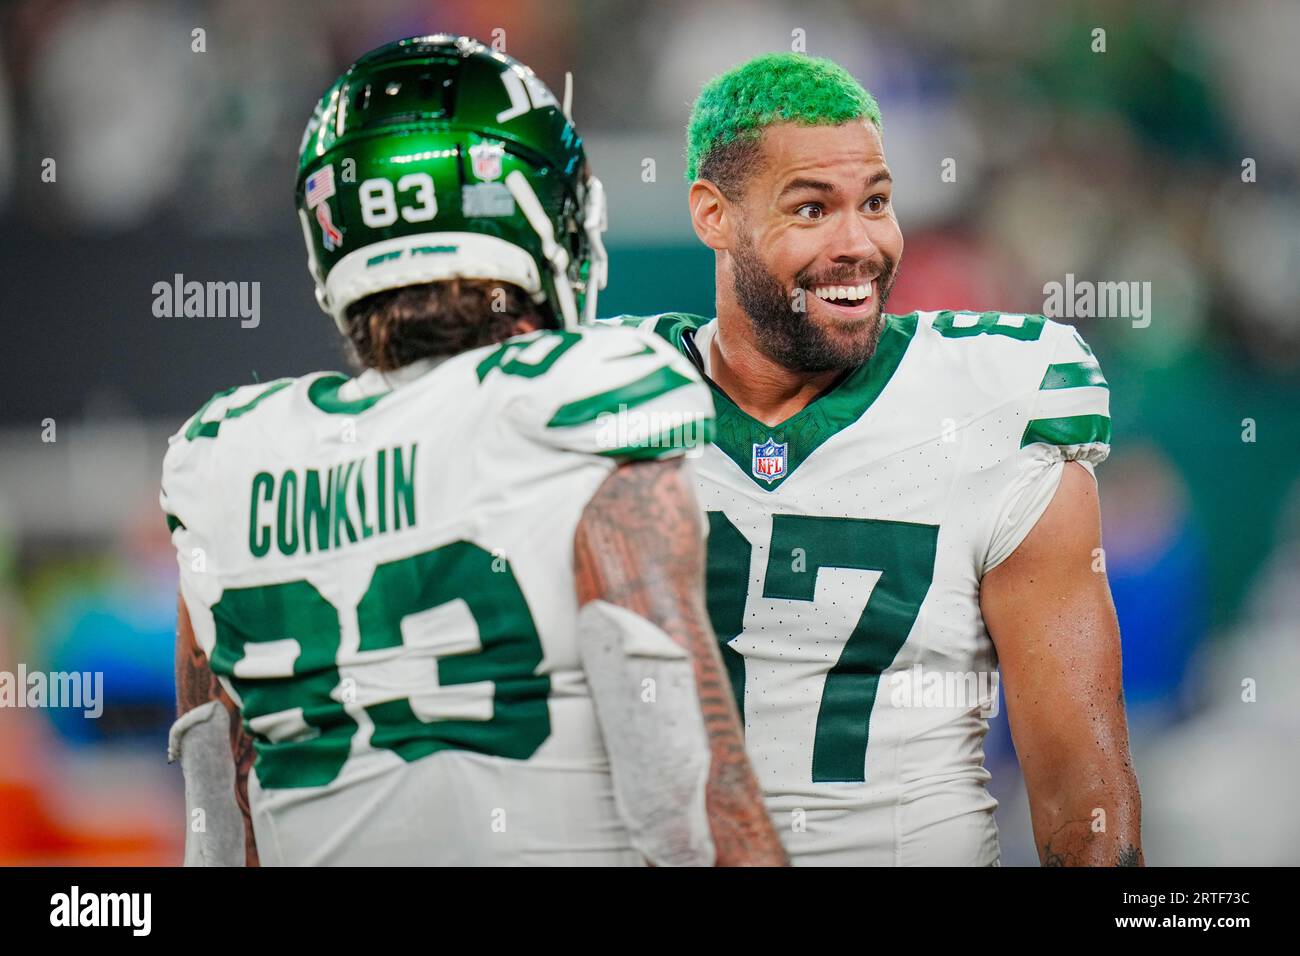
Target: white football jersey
x: 846, y: 550
x: 380, y: 571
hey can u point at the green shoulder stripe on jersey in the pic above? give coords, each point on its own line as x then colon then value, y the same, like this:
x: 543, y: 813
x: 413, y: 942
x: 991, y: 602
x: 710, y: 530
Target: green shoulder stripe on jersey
x: 1073, y: 375
x: 197, y: 427
x: 647, y: 388
x: 324, y: 394
x: 681, y: 438
x: 201, y: 429
x: 506, y: 358
x: 1071, y: 430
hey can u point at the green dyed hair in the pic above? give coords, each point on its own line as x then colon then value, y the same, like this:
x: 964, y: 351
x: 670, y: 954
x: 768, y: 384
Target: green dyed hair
x: 735, y: 107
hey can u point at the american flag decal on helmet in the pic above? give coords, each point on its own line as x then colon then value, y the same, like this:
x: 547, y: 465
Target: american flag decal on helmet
x: 320, y: 186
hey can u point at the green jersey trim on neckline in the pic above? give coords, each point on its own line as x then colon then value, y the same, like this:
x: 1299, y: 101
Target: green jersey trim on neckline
x: 739, y: 435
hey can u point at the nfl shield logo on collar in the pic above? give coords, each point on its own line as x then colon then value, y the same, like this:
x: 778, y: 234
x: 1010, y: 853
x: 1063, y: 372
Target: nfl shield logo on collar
x: 769, y: 460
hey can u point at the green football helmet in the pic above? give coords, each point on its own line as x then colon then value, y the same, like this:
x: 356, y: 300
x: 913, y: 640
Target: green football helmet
x: 436, y: 157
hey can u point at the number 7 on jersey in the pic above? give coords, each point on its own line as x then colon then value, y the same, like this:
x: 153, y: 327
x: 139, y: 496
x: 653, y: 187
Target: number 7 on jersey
x: 903, y: 552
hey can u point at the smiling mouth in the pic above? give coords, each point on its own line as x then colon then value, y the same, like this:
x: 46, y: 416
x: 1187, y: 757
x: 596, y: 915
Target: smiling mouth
x: 846, y: 298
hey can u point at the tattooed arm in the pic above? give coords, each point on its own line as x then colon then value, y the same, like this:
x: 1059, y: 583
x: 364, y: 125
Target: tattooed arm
x: 639, y: 545
x: 196, y: 685
x: 1050, y: 615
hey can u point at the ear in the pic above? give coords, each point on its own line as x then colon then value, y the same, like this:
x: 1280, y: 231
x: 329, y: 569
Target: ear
x: 712, y: 215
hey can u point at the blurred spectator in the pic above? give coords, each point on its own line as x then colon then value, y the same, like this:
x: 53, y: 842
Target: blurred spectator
x: 1219, y: 789
x: 1155, y: 561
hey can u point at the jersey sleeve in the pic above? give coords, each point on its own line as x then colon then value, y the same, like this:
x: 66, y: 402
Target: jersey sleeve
x: 183, y: 506
x: 191, y: 504
x: 189, y: 450
x: 620, y: 393
x: 1068, y: 419
x: 173, y: 496
x: 180, y: 497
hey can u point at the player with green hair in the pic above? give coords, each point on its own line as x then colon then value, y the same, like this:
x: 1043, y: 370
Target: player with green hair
x: 735, y: 107
x: 898, y: 506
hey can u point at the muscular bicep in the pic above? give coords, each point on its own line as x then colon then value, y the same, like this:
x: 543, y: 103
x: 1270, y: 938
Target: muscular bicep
x: 1049, y: 612
x: 640, y: 543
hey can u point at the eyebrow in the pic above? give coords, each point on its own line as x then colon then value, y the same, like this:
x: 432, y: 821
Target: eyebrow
x: 817, y: 185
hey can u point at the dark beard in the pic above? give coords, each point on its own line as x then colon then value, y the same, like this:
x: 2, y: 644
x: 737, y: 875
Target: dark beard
x: 787, y: 336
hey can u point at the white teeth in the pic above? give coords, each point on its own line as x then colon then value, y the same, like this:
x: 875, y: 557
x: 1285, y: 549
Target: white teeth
x: 834, y: 292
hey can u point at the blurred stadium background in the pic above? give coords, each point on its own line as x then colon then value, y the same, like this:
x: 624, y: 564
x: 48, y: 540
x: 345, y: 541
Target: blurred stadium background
x: 1123, y: 165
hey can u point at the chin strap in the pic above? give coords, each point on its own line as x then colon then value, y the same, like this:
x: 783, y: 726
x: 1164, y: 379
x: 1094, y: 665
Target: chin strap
x: 594, y: 222
x: 313, y: 266
x: 555, y: 254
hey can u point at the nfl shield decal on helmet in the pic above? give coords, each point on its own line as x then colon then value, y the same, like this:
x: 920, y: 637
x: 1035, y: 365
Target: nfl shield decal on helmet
x: 485, y: 159
x: 769, y: 460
